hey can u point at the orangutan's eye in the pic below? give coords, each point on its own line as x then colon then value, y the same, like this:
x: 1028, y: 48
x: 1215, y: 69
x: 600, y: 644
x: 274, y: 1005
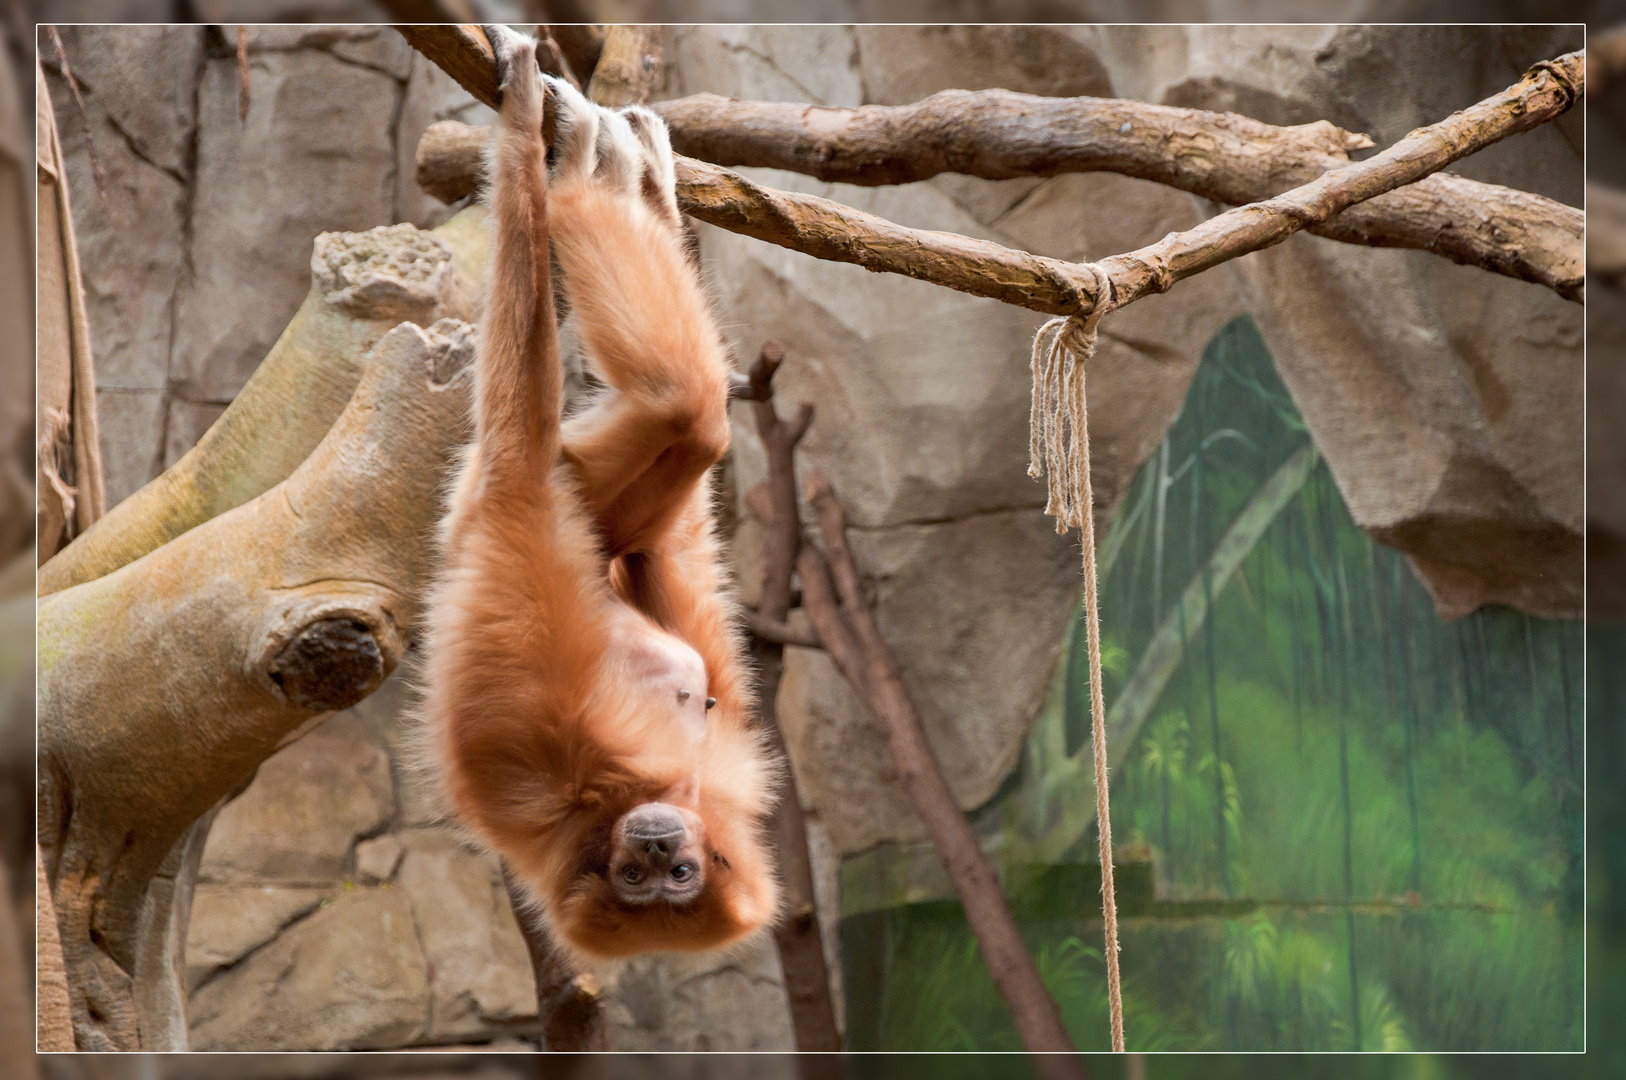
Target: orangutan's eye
x: 682, y: 872
x: 632, y: 875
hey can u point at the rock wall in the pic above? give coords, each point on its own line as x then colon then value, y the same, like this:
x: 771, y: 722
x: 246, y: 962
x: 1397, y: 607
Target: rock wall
x: 1446, y: 400
x: 196, y: 245
x: 336, y: 909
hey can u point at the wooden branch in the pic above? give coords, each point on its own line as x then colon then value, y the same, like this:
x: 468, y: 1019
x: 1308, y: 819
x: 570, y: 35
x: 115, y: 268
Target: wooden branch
x: 827, y: 230
x: 834, y: 600
x: 570, y: 1002
x: 1002, y: 135
x: 461, y: 51
x: 362, y: 286
x: 997, y: 134
x: 162, y: 685
x: 1547, y: 91
x: 581, y: 43
x: 551, y: 58
x: 449, y: 153
x: 799, y: 938
x: 629, y: 66
x: 1229, y: 159
x: 782, y: 633
x: 451, y: 160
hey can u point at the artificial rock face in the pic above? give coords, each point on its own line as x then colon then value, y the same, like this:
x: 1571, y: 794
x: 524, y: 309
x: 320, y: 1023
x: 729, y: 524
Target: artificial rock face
x: 922, y: 405
x: 1446, y: 400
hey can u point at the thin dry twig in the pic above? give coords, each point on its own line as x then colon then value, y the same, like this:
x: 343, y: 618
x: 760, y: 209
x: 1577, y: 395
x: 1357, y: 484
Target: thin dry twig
x: 97, y: 173
x: 242, y: 74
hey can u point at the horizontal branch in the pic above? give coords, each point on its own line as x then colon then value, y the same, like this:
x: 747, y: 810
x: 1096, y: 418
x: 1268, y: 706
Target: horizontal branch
x: 1224, y: 157
x: 998, y: 134
x: 827, y: 230
x: 449, y: 164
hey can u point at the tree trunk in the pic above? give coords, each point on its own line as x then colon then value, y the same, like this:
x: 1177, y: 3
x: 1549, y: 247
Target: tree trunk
x: 165, y: 683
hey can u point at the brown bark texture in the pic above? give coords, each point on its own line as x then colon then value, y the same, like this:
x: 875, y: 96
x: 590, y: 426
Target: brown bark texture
x: 164, y: 684
x: 833, y: 597
x: 997, y: 134
x: 1546, y: 92
x: 570, y: 1001
x: 629, y: 66
x: 1224, y: 157
x: 580, y: 43
x: 798, y: 936
x: 68, y: 485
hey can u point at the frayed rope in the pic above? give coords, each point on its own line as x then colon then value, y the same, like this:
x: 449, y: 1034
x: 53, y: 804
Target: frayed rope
x: 1058, y: 428
x: 1059, y: 447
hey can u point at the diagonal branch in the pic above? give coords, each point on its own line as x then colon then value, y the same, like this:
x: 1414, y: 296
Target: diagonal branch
x: 998, y: 134
x: 799, y: 938
x: 834, y: 599
x: 1229, y: 159
x: 570, y: 1000
x: 1546, y: 91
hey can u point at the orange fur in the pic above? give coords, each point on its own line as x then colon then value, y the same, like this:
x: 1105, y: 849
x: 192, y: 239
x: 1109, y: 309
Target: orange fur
x: 575, y: 553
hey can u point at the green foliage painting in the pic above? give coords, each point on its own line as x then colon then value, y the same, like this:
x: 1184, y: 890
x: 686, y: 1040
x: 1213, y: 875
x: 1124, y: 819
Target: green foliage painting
x: 1358, y: 826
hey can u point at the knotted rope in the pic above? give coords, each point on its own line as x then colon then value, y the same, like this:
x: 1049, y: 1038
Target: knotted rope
x: 1059, y: 445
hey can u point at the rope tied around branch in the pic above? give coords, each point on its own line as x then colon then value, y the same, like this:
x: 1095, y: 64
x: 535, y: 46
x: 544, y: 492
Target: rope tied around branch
x: 1059, y: 446
x: 1058, y: 429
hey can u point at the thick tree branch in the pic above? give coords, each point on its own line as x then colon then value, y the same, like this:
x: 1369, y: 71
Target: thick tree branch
x: 1002, y: 135
x: 799, y: 938
x: 827, y: 230
x: 296, y: 603
x: 1230, y: 159
x: 997, y: 134
x: 551, y: 58
x: 834, y: 599
x: 581, y: 43
x: 814, y: 226
x: 461, y: 51
x: 362, y: 285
